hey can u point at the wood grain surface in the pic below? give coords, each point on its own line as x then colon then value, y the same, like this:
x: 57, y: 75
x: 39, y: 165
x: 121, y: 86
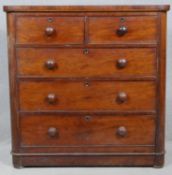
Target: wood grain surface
x: 87, y: 85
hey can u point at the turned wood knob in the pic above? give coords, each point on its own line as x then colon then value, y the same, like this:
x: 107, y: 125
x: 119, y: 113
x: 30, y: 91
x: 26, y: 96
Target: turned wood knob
x: 121, y: 63
x: 52, y: 132
x: 50, y: 64
x: 121, y: 31
x: 121, y: 131
x: 51, y: 98
x: 121, y: 97
x: 49, y: 31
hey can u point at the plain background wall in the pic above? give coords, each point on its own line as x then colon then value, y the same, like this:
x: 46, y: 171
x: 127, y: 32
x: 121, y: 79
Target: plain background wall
x: 5, y: 130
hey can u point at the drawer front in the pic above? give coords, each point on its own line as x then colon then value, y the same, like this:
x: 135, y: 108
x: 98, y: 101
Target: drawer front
x: 82, y: 95
x: 111, y: 30
x: 66, y: 130
x: 46, y: 30
x: 76, y: 63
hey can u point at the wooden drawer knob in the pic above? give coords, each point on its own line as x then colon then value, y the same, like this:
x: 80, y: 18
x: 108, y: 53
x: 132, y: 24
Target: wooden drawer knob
x: 50, y: 64
x: 121, y: 97
x: 121, y: 63
x: 52, y: 132
x: 49, y: 31
x: 51, y: 98
x: 121, y: 31
x: 121, y: 131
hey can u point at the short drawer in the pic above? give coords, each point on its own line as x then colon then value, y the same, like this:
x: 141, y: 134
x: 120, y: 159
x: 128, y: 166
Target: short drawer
x: 87, y: 95
x: 62, y: 62
x: 49, y: 30
x: 73, y: 130
x: 122, y: 30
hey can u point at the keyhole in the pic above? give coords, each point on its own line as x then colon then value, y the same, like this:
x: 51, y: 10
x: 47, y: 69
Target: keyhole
x: 87, y: 117
x: 50, y: 19
x: 86, y: 84
x: 85, y: 51
x: 122, y: 19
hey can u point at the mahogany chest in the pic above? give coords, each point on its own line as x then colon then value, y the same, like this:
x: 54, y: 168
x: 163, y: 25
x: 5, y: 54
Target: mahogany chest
x: 87, y: 85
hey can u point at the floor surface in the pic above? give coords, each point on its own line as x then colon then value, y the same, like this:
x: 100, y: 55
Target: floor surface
x: 6, y: 167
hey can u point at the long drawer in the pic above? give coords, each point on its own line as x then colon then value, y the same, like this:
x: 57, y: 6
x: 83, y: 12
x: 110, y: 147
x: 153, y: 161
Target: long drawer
x: 73, y: 130
x: 87, y: 95
x: 73, y: 62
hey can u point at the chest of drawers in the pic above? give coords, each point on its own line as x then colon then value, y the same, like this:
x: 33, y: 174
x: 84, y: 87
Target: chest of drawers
x: 87, y: 85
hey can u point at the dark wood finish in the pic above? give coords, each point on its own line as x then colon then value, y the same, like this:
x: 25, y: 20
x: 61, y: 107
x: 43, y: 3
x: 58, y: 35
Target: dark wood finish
x: 111, y: 8
x: 61, y: 30
x: 87, y: 149
x: 121, y: 97
x: 160, y: 138
x: 108, y: 30
x: 88, y: 161
x: 73, y: 62
x: 13, y: 89
x: 122, y: 30
x: 87, y: 85
x: 97, y: 95
x: 121, y: 63
x: 51, y: 64
x: 52, y: 132
x: 49, y: 31
x: 75, y: 130
x: 51, y: 98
